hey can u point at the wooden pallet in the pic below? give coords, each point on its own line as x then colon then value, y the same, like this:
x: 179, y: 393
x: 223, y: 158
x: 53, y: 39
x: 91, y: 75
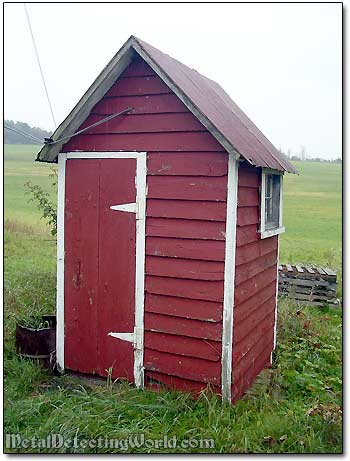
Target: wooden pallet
x: 308, y: 284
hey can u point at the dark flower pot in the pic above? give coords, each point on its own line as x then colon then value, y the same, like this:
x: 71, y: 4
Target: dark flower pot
x: 37, y: 343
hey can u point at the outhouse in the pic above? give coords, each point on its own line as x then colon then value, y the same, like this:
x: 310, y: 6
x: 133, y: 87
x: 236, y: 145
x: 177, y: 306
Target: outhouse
x: 169, y: 211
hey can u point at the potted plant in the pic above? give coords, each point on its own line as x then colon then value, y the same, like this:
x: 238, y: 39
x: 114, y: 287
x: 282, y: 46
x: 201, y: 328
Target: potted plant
x: 36, y: 337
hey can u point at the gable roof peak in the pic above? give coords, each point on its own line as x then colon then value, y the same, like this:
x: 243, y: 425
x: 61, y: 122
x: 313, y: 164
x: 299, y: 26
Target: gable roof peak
x: 205, y: 98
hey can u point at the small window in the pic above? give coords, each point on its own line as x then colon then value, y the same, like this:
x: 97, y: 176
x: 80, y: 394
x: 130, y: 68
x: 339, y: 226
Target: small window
x: 271, y: 204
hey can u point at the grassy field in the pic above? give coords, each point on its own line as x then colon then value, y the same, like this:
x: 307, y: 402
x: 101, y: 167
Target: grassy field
x: 299, y: 412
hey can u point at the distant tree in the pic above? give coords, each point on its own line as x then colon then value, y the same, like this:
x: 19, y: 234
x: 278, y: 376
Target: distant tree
x: 11, y: 137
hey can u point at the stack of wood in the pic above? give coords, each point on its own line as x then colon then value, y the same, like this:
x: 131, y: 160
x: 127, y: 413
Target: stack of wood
x: 308, y: 284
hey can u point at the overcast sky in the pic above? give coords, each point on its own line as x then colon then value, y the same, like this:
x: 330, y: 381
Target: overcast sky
x: 281, y: 63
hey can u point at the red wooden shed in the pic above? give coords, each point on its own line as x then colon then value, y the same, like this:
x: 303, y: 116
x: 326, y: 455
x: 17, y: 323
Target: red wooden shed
x: 168, y: 219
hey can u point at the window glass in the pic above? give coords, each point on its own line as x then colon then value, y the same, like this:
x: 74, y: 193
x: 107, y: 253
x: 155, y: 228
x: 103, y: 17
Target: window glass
x: 272, y: 200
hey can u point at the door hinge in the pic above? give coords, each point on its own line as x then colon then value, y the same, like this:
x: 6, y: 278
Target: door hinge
x: 138, y: 207
x: 136, y: 337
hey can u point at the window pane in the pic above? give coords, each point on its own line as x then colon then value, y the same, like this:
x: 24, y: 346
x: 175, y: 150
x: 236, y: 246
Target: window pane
x: 272, y: 200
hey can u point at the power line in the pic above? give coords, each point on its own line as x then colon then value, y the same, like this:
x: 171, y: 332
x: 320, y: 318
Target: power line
x: 104, y: 120
x: 23, y: 133
x: 41, y: 71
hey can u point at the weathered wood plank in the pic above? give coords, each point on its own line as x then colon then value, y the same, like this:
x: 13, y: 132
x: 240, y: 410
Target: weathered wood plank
x: 246, y: 307
x: 184, y: 268
x: 143, y: 123
x: 329, y: 271
x: 302, y: 282
x: 183, y: 345
x: 255, y: 267
x: 183, y: 367
x: 246, y: 234
x: 248, y: 196
x: 139, y: 68
x: 138, y: 86
x: 180, y: 307
x: 187, y: 164
x: 182, y: 288
x: 250, y: 287
x: 186, y: 209
x: 247, y: 216
x: 174, y: 382
x: 254, y: 319
x: 309, y: 269
x: 255, y: 249
x: 248, y: 177
x: 183, y: 327
x: 164, y: 103
x: 144, y: 142
x: 185, y: 229
x: 213, y: 188
x: 209, y: 250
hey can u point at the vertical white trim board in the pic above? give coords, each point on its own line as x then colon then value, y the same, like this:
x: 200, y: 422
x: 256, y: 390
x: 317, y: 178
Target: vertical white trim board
x: 141, y: 192
x: 61, y: 192
x: 229, y: 279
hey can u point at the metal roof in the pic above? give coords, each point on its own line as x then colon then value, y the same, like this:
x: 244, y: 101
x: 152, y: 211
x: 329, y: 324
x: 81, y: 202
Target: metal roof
x: 204, y: 97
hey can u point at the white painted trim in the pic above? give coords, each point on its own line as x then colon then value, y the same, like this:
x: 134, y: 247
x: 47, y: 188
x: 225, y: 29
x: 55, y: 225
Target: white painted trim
x: 281, y: 204
x: 229, y: 279
x: 276, y: 302
x: 60, y: 261
x: 270, y: 232
x: 116, y: 154
x: 141, y: 192
x: 128, y: 207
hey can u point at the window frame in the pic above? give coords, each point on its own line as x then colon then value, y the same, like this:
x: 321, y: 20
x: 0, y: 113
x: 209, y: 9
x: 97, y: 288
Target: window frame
x: 265, y: 233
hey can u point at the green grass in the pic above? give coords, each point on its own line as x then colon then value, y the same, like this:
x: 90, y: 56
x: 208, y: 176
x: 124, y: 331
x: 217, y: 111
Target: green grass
x: 299, y: 412
x: 313, y: 215
x: 20, y: 167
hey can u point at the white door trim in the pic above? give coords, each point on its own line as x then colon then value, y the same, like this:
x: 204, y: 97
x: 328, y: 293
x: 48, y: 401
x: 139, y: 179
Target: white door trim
x: 61, y: 192
x: 141, y: 192
x: 229, y: 279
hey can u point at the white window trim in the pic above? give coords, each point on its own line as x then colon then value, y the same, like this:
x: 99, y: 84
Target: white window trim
x: 265, y: 233
x: 141, y: 185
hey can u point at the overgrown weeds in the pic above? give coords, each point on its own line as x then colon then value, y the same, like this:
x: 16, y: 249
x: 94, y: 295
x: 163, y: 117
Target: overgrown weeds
x: 300, y: 412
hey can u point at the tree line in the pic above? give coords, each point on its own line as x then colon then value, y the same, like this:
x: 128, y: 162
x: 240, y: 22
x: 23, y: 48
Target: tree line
x: 10, y: 137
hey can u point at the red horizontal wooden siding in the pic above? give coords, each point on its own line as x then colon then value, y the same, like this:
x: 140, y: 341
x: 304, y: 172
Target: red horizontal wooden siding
x: 185, y: 224
x: 255, y: 286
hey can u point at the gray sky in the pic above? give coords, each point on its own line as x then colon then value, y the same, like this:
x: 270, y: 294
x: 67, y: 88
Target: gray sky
x: 281, y: 63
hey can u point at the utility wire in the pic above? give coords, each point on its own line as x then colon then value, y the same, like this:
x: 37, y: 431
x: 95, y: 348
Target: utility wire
x: 22, y: 133
x: 104, y: 120
x: 41, y: 71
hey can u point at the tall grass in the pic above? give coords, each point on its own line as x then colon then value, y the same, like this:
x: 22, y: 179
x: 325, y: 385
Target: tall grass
x: 298, y: 412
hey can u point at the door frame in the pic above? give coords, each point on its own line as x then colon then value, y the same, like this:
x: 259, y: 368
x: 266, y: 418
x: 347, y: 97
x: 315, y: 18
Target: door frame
x: 141, y: 193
